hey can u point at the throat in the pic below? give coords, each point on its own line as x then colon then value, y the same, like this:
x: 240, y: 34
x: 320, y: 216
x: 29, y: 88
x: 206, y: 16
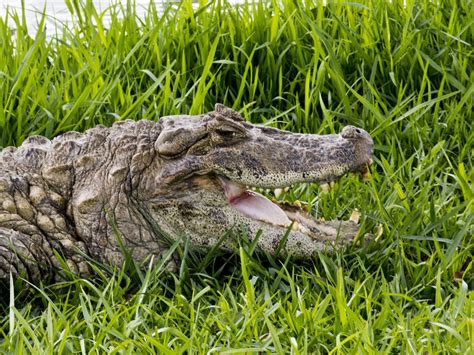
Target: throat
x: 253, y: 205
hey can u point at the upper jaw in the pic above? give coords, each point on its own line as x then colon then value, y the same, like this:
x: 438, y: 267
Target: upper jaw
x: 273, y: 159
x: 322, y: 175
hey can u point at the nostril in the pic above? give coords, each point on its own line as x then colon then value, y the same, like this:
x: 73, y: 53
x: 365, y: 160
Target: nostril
x: 357, y: 134
x: 350, y: 132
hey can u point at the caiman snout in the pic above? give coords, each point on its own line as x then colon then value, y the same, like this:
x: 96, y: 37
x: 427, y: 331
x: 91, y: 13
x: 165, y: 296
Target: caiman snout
x: 355, y: 133
x: 364, y: 146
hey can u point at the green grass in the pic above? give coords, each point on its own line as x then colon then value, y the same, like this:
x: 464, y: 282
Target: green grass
x: 402, y: 73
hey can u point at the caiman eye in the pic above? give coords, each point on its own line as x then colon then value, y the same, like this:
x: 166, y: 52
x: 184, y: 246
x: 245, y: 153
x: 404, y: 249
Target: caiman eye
x: 226, y: 134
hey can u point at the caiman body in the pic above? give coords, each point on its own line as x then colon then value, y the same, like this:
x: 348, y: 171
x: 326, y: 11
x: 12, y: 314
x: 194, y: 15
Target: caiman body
x: 149, y: 183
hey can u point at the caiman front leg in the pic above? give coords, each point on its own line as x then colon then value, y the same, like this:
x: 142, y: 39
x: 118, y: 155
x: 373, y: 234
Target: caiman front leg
x: 24, y: 255
x: 33, y: 257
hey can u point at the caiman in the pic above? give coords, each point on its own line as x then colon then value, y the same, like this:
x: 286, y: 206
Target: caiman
x: 139, y: 185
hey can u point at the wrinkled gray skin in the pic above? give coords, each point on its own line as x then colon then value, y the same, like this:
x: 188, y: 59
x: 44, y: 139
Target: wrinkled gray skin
x: 155, y: 179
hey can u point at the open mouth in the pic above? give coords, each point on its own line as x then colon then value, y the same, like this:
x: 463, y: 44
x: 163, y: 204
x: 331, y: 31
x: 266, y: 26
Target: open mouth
x: 256, y: 206
x: 253, y: 205
x: 283, y: 216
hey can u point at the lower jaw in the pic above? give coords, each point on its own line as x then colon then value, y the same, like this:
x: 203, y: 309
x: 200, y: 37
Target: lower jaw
x: 302, y: 224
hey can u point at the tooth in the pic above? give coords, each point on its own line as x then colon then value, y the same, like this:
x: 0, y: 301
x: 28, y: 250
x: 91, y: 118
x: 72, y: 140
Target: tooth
x: 296, y: 226
x: 355, y: 215
x: 325, y: 188
x: 277, y: 192
x: 286, y: 189
x: 267, y: 191
x: 332, y: 184
x: 297, y: 203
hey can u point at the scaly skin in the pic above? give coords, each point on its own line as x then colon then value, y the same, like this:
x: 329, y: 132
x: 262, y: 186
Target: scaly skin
x: 157, y: 181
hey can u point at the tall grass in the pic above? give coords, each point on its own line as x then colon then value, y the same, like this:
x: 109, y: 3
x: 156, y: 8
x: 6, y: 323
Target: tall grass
x: 401, y: 70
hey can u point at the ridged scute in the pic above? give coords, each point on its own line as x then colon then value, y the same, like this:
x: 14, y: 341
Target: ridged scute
x: 55, y: 194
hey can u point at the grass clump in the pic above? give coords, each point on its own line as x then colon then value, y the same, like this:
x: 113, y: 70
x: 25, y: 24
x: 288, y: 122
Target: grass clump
x: 402, y: 70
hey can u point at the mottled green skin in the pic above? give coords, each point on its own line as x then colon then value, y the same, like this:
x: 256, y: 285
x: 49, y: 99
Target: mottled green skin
x: 157, y: 181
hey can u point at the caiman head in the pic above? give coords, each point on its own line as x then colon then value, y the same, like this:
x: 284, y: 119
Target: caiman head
x: 198, y: 185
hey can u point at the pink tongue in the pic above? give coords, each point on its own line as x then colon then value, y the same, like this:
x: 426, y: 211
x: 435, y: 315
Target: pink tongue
x: 254, y: 205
